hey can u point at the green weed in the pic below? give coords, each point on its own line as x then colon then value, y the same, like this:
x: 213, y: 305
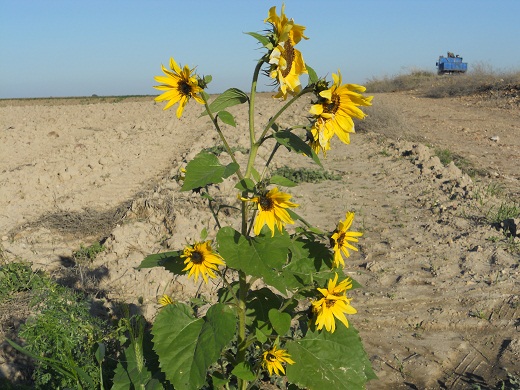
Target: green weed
x: 305, y: 175
x: 506, y: 210
x: 88, y: 252
x: 61, y: 336
x: 16, y: 277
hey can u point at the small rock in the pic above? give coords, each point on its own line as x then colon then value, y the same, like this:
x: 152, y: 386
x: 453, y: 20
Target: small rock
x: 495, y: 138
x: 5, y: 238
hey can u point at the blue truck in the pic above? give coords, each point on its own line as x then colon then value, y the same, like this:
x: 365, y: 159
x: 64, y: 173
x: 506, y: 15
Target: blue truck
x: 451, y: 64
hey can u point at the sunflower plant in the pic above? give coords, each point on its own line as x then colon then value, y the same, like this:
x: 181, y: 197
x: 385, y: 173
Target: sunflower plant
x: 283, y: 312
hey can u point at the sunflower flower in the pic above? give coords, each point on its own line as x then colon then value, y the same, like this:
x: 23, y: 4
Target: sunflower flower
x: 271, y: 210
x: 200, y: 259
x: 180, y: 86
x: 334, y: 110
x: 334, y: 304
x: 340, y: 240
x: 165, y: 300
x: 273, y: 359
x: 286, y: 62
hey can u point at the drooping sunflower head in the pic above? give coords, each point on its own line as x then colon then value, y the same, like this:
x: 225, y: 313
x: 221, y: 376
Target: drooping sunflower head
x: 200, y: 259
x: 286, y: 62
x: 336, y: 106
x: 180, y: 85
x: 272, y: 360
x: 272, y: 211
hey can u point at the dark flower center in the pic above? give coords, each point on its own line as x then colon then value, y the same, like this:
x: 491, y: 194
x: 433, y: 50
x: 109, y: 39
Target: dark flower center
x: 330, y: 303
x: 333, y: 106
x: 289, y: 57
x: 341, y: 238
x: 197, y: 257
x: 184, y: 88
x: 271, y: 357
x: 266, y: 203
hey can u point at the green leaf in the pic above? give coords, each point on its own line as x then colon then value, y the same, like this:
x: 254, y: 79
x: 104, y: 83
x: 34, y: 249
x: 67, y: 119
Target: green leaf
x: 128, y: 374
x: 255, y: 174
x: 262, y: 256
x: 310, y: 261
x: 187, y: 346
x: 312, y: 229
x: 227, y: 118
x: 219, y: 381
x: 296, y: 144
x: 171, y: 261
x: 203, y: 234
x: 228, y: 98
x: 261, y: 38
x: 100, y: 352
x: 243, y: 371
x: 205, y: 169
x: 207, y: 79
x: 260, y: 335
x: 313, y: 77
x: 282, y: 181
x: 258, y: 304
x: 281, y: 321
x: 246, y: 185
x: 326, y: 360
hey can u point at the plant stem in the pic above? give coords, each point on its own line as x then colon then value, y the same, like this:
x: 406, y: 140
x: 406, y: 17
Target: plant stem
x: 285, y: 107
x: 242, y: 344
x: 256, y: 145
x: 222, y: 138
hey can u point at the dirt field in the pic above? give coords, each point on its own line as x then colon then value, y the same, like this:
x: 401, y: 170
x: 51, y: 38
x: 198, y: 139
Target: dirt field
x: 440, y: 307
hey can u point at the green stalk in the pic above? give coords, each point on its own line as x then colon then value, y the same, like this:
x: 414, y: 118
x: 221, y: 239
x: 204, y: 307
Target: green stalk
x: 221, y: 135
x: 242, y: 291
x: 285, y: 107
x: 256, y: 145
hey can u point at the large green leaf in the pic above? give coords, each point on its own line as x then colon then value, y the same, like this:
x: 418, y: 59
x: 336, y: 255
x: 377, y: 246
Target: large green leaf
x: 258, y: 304
x: 311, y: 261
x: 228, y: 98
x: 205, y: 169
x: 187, y: 346
x: 296, y: 144
x: 326, y: 360
x: 171, y: 261
x: 263, y: 256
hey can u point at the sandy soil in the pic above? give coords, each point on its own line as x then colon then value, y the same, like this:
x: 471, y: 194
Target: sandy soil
x: 440, y: 303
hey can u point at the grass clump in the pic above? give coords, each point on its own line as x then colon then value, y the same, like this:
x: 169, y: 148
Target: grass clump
x: 481, y: 79
x: 403, y: 82
x: 16, y: 277
x: 88, y: 252
x: 306, y: 175
x: 61, y: 335
x: 446, y: 156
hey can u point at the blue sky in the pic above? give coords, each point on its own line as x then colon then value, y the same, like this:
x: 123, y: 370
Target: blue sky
x: 115, y: 47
